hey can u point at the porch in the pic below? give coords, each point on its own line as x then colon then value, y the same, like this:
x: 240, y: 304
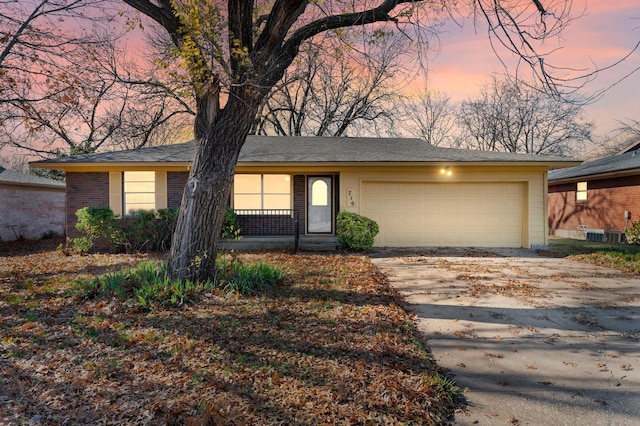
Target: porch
x: 276, y: 229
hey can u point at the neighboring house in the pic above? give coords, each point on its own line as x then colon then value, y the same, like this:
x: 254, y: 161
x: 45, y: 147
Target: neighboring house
x: 30, y: 206
x: 596, y: 200
x: 420, y: 195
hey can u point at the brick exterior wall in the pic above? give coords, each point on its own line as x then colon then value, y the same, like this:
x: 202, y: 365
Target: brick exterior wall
x: 92, y: 189
x: 266, y: 224
x: 30, y: 211
x: 176, y: 182
x: 86, y: 189
x: 607, y: 200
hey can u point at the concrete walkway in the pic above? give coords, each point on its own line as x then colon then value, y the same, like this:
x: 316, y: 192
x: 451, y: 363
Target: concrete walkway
x: 532, y: 340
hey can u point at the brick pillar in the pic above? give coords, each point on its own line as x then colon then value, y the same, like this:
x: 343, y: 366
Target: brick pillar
x: 176, y: 182
x: 300, y: 201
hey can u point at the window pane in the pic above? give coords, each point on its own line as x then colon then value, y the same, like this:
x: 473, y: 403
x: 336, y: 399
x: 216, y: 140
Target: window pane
x: 243, y: 184
x: 139, y: 186
x: 319, y: 193
x: 581, y: 193
x: 277, y: 201
x: 139, y: 191
x: 139, y: 176
x: 262, y: 192
x: 136, y: 198
x: 279, y: 184
x: 247, y: 201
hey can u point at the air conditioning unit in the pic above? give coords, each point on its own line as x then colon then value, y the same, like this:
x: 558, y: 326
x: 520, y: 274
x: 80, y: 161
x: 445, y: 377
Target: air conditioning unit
x: 596, y: 235
x: 613, y: 236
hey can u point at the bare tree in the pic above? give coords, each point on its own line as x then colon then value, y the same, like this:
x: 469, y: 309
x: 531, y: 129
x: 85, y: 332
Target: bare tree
x: 235, y: 53
x: 14, y: 162
x: 343, y: 93
x: 629, y: 129
x: 92, y: 106
x: 514, y: 117
x: 30, y: 29
x: 31, y: 36
x: 66, y: 92
x: 432, y: 117
x: 34, y: 41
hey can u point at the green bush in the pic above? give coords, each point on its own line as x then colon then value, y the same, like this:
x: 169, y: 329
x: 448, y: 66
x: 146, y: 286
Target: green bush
x: 97, y: 222
x: 230, y: 226
x: 144, y: 230
x: 633, y: 233
x: 150, y: 231
x: 166, y: 223
x: 81, y: 245
x: 355, y: 232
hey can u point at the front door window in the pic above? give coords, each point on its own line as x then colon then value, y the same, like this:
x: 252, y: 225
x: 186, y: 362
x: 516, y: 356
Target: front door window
x: 319, y: 205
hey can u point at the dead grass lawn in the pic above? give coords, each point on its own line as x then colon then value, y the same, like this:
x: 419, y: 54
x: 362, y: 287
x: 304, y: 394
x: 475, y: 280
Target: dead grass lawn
x: 333, y: 345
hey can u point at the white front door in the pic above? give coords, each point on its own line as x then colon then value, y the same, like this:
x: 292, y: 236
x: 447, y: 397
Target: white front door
x: 319, y: 205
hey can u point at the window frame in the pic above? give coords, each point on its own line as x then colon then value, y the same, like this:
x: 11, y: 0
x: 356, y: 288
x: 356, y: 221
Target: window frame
x: 582, y: 194
x: 116, y: 190
x: 262, y: 192
x: 152, y: 193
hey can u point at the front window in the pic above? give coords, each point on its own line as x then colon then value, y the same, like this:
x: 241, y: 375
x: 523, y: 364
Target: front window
x: 139, y: 191
x: 581, y: 191
x: 261, y: 192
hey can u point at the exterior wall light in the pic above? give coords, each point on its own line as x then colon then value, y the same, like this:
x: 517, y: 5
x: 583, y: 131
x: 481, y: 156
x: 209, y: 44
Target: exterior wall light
x: 446, y: 171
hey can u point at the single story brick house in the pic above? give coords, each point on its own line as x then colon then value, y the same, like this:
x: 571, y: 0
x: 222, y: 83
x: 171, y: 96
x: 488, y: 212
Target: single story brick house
x: 419, y: 194
x: 598, y: 199
x: 30, y: 206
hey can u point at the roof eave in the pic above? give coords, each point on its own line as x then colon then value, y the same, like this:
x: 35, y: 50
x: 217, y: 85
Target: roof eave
x: 186, y: 165
x: 76, y: 166
x: 609, y: 175
x: 61, y: 186
x: 550, y: 164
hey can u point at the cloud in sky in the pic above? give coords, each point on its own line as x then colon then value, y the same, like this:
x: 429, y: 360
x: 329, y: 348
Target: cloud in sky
x: 605, y: 33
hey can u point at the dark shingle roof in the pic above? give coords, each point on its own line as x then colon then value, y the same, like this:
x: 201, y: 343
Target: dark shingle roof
x: 16, y: 178
x: 625, y: 162
x: 276, y: 149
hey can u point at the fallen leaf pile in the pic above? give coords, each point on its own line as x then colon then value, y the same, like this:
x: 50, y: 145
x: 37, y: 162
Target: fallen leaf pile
x: 332, y: 345
x: 505, y: 287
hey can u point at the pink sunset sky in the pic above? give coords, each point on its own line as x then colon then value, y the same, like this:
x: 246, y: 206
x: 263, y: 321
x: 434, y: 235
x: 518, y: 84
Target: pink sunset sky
x: 602, y: 33
x: 606, y: 32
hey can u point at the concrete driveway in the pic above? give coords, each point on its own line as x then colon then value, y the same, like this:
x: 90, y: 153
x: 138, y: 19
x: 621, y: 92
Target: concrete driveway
x: 532, y: 340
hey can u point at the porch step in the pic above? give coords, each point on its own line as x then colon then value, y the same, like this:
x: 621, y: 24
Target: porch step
x: 318, y: 243
x: 305, y: 243
x: 257, y: 243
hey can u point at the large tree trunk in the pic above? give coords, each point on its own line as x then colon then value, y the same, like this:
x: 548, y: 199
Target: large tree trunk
x: 206, y: 195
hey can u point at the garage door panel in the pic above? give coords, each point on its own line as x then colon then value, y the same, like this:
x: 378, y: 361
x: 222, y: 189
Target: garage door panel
x: 411, y: 204
x: 445, y: 214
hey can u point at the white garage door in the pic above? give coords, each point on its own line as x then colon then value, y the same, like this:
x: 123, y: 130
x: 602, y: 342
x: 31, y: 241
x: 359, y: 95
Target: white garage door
x: 445, y: 214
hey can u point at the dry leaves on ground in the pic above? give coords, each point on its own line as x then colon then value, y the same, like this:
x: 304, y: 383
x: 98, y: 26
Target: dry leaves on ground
x: 333, y: 345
